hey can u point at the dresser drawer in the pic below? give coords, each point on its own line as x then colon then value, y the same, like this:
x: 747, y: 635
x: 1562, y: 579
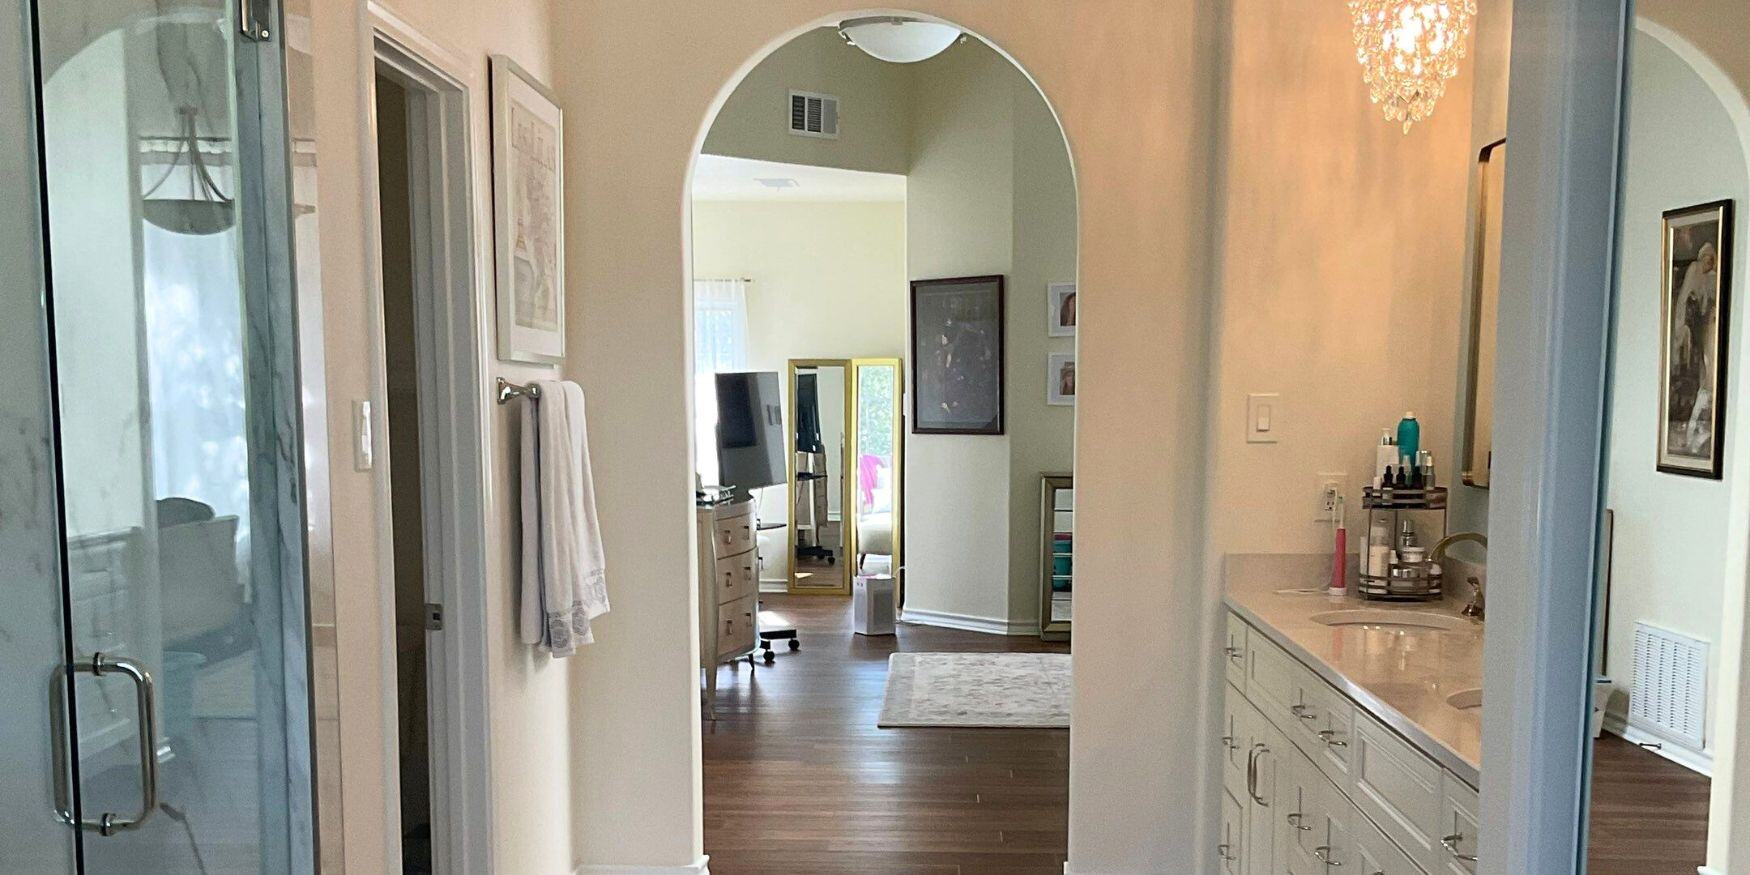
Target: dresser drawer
x: 733, y: 535
x: 737, y: 576
x: 736, y: 626
x: 1458, y: 825
x: 1233, y: 652
x: 1374, y: 854
x: 1399, y: 788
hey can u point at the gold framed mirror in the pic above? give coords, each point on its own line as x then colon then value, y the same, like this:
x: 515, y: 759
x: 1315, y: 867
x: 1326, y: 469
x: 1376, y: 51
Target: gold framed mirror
x: 1479, y: 407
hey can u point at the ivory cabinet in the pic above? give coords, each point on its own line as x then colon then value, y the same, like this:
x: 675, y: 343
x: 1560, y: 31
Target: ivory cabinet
x: 1314, y: 784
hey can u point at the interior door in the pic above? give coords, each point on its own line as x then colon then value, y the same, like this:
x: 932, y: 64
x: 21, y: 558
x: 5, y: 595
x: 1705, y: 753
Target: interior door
x: 878, y: 465
x: 182, y: 693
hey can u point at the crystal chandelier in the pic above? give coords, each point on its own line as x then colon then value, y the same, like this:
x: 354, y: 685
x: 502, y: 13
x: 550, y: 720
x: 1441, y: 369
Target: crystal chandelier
x: 1408, y: 49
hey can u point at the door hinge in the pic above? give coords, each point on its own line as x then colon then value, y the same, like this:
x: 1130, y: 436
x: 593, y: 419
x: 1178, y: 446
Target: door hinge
x: 252, y: 19
x: 434, y: 617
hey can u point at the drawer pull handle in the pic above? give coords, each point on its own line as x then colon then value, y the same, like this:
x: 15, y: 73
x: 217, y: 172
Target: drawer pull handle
x: 1231, y: 743
x: 1225, y: 852
x: 1322, y: 853
x: 1328, y: 736
x: 1252, y: 775
x: 1233, y: 653
x: 1450, y: 843
x: 1303, y: 712
x: 1295, y: 819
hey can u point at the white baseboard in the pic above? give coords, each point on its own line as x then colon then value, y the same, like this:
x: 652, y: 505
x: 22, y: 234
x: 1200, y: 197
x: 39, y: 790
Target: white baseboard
x: 967, y: 622
x: 1693, y: 760
x: 777, y: 586
x: 698, y: 867
x: 1708, y: 870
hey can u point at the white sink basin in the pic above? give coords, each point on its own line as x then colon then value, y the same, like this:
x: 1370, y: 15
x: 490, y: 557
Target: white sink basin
x: 1465, y: 699
x: 1390, y: 619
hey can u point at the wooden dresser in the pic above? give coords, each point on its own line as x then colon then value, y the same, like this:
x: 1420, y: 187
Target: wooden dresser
x: 729, y: 583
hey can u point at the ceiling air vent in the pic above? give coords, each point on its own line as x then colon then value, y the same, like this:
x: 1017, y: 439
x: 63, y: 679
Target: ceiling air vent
x: 814, y: 115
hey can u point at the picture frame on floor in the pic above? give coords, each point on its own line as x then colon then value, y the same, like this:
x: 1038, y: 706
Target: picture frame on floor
x: 1695, y: 320
x: 528, y: 206
x: 957, y: 346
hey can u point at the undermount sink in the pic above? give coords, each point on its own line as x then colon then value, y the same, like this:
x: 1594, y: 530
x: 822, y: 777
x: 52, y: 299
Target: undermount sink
x: 1465, y: 699
x: 1390, y: 619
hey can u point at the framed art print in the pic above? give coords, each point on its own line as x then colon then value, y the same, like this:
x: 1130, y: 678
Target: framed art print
x: 957, y: 355
x: 528, y: 201
x: 1694, y: 305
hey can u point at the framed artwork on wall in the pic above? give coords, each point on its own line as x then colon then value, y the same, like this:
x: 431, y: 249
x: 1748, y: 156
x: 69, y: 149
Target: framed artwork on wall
x: 1060, y: 379
x: 1061, y: 317
x: 528, y: 210
x: 957, y: 351
x: 1694, y: 304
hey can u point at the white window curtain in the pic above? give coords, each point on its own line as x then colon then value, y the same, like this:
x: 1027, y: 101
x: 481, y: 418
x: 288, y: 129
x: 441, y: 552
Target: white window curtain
x: 719, y: 345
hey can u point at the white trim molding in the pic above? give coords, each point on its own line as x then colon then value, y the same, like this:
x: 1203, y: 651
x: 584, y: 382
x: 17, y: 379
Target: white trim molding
x: 697, y: 867
x: 968, y: 622
x: 1699, y: 761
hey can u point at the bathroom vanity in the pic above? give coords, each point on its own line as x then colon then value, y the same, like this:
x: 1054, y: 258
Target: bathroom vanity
x: 1351, y: 729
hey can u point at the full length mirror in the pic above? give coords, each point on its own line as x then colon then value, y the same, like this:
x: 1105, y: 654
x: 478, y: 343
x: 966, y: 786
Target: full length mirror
x: 876, y: 450
x: 820, y: 424
x: 1674, y: 534
x: 1479, y: 408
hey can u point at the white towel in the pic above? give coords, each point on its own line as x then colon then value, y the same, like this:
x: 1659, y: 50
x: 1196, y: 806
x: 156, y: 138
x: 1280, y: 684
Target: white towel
x: 564, y: 586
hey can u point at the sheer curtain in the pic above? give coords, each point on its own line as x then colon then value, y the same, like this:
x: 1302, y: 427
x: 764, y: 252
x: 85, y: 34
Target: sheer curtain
x: 719, y: 344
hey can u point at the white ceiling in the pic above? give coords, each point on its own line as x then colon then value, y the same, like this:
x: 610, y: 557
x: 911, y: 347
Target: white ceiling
x: 719, y: 178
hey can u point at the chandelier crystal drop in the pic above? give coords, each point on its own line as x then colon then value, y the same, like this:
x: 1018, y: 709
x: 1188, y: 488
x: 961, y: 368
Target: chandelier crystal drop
x: 1408, y: 49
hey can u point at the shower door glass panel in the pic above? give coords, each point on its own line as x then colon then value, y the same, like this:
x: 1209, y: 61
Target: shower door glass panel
x: 189, y: 716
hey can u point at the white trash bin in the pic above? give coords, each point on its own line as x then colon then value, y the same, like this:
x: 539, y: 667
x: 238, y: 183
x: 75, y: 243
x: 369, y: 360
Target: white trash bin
x: 874, y: 603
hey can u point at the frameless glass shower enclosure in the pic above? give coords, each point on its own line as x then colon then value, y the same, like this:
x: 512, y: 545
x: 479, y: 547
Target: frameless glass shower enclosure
x: 154, y: 684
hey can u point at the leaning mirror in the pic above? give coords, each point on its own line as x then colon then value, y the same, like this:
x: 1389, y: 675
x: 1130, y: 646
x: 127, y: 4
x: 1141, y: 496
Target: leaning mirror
x: 1479, y: 421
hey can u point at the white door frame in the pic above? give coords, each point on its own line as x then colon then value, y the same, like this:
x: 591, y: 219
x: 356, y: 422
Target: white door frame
x: 447, y: 272
x: 1556, y: 277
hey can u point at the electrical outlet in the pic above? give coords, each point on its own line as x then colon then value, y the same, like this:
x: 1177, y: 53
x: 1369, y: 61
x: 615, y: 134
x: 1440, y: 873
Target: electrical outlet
x: 1330, y: 489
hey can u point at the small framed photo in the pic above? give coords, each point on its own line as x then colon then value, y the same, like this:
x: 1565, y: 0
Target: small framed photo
x: 1061, y: 298
x: 1060, y: 379
x: 957, y: 355
x: 1695, y: 316
x: 528, y: 208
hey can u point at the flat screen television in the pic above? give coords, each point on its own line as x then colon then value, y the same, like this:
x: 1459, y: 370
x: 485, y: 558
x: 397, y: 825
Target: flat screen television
x: 750, y: 430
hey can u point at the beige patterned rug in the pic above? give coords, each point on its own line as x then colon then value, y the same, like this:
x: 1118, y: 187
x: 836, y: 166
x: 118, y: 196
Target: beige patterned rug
x: 977, y: 689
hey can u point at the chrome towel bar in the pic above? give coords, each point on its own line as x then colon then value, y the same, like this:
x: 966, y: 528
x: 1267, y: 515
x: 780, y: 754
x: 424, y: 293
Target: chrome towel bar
x: 508, y: 390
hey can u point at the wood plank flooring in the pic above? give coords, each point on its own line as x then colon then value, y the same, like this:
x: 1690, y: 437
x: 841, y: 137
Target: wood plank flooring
x: 1649, y: 815
x: 799, y: 779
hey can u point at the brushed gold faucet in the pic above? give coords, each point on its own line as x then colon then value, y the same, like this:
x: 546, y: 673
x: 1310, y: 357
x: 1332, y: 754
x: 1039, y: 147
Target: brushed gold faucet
x: 1475, y: 607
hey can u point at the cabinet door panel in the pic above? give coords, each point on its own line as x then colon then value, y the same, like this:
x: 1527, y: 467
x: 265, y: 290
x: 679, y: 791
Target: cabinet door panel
x: 1233, y: 653
x: 1230, y: 854
x: 1399, y: 788
x: 1458, y: 821
x: 1232, y: 744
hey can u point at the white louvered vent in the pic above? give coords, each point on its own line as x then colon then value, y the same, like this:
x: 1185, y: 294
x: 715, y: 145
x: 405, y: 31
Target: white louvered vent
x: 814, y: 115
x: 1669, y: 698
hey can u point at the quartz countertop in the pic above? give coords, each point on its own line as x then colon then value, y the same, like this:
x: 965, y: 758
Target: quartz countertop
x: 1401, y: 676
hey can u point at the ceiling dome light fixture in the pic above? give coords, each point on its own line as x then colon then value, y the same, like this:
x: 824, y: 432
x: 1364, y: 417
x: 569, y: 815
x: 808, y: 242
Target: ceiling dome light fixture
x: 898, y: 39
x: 1408, y: 49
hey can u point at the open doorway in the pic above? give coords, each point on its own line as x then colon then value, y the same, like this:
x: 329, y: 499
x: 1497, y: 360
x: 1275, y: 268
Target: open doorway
x: 891, y: 248
x: 427, y: 452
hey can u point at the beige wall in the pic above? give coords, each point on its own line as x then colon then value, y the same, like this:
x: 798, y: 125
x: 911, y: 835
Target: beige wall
x: 1130, y: 81
x: 875, y: 101
x: 529, y: 719
x: 1339, y: 274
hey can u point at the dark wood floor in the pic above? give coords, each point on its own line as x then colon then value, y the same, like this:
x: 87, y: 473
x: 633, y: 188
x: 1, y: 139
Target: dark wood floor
x: 798, y: 779
x: 1649, y: 815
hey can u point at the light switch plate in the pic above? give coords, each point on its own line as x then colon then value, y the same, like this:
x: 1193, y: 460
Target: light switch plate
x: 1263, y: 417
x: 362, y: 450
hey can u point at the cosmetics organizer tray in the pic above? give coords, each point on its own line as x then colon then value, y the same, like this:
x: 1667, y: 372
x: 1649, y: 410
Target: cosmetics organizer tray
x: 1409, y: 572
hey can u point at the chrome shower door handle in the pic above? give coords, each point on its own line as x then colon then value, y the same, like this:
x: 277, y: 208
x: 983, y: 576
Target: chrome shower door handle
x: 146, y: 724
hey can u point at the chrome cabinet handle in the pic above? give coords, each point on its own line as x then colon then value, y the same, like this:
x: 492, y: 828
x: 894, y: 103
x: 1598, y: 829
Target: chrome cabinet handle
x: 1258, y: 750
x: 1450, y: 843
x: 1322, y: 853
x: 1225, y: 852
x: 1303, y: 712
x: 1295, y: 819
x: 1328, y: 736
x: 1233, y: 653
x: 146, y: 724
x: 1232, y: 744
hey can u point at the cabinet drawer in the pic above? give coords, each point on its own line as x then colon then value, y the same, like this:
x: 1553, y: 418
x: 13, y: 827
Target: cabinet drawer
x: 1233, y: 652
x: 737, y: 576
x: 1372, y: 852
x: 1230, y: 856
x: 1232, y: 744
x: 1328, y: 735
x: 1273, y: 681
x: 735, y: 626
x: 733, y: 535
x: 1399, y: 789
x: 1458, y: 824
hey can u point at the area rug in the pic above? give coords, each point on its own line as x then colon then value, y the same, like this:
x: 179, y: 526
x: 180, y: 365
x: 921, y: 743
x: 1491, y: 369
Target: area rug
x: 987, y: 690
